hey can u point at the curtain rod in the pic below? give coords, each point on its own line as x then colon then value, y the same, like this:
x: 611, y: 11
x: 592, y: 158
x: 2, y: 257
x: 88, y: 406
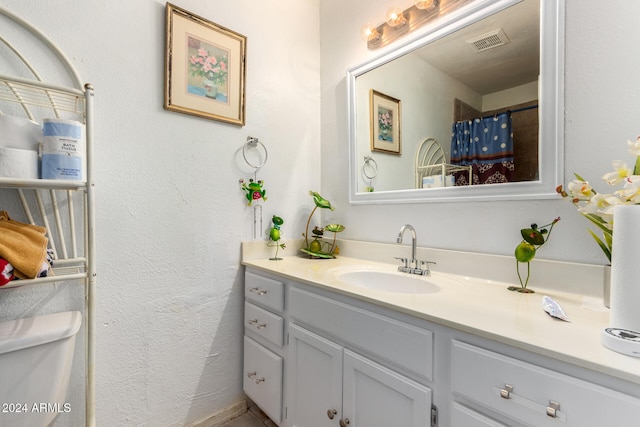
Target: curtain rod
x: 517, y: 110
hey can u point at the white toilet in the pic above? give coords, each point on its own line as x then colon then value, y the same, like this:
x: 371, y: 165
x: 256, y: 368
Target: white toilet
x: 36, y: 355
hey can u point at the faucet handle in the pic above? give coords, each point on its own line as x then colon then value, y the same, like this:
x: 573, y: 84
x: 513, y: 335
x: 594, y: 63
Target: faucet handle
x: 424, y: 266
x: 404, y: 261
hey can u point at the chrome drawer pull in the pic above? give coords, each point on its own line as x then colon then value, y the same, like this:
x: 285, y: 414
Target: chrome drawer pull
x: 344, y: 422
x: 505, y: 392
x: 331, y: 413
x: 255, y: 323
x: 257, y: 291
x: 253, y: 375
x: 553, y: 409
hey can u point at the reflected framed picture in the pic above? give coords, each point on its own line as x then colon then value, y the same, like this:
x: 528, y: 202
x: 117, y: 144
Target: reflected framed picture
x: 205, y: 68
x: 385, y: 123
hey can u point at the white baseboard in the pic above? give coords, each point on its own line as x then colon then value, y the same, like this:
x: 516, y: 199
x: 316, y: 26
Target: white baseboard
x: 223, y: 416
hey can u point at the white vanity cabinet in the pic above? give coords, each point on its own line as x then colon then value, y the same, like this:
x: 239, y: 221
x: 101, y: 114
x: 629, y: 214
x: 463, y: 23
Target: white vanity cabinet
x: 316, y: 356
x: 533, y: 395
x: 263, y: 343
x: 330, y: 385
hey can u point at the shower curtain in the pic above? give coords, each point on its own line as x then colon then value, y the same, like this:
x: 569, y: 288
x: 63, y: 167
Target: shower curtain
x: 487, y: 145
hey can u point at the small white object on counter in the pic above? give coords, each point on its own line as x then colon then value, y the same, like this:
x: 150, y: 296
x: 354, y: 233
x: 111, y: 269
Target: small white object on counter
x: 554, y: 309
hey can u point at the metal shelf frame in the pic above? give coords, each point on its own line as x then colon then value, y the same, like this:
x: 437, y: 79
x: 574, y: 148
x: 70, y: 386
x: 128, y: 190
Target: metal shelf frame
x: 68, y: 264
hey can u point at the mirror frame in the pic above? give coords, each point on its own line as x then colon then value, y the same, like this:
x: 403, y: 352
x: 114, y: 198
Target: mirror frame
x: 551, y: 110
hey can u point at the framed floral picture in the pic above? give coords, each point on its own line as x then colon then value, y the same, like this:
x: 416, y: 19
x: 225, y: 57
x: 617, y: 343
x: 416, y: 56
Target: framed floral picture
x: 385, y: 123
x: 205, y: 68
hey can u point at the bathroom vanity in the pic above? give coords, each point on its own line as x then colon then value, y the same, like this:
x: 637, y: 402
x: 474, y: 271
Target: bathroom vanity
x: 322, y: 351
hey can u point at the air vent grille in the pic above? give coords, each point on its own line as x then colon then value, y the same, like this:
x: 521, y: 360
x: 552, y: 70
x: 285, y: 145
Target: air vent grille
x: 489, y: 40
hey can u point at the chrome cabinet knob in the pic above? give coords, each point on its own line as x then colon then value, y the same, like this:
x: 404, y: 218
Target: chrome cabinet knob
x: 344, y: 422
x: 331, y: 413
x: 505, y: 393
x: 553, y: 409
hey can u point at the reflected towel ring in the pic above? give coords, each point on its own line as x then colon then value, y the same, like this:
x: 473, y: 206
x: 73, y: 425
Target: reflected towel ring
x: 253, y: 143
x: 371, y: 163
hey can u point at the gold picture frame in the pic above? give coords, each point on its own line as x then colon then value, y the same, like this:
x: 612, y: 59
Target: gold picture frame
x: 205, y: 68
x: 385, y: 123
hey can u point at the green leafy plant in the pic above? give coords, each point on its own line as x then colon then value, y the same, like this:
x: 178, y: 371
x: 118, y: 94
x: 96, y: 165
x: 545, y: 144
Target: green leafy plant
x: 532, y: 239
x: 598, y: 207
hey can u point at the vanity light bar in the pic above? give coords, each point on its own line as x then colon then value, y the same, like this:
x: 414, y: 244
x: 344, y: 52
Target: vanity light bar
x: 400, y: 22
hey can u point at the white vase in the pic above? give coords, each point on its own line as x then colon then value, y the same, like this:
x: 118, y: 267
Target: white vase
x: 210, y: 88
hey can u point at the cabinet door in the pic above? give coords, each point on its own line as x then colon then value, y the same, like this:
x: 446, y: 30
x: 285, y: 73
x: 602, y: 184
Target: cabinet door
x: 315, y: 380
x: 262, y: 379
x: 374, y: 396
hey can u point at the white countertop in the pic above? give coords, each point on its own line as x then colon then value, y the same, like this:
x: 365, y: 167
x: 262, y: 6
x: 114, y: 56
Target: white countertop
x: 484, y: 308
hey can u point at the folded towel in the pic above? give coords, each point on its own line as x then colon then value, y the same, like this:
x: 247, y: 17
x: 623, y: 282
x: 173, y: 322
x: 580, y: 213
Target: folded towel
x: 23, y: 245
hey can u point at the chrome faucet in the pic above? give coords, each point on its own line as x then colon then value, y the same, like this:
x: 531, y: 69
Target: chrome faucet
x: 412, y: 265
x: 413, y: 238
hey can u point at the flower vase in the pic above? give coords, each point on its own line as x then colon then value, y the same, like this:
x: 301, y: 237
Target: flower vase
x: 606, y: 290
x: 210, y: 88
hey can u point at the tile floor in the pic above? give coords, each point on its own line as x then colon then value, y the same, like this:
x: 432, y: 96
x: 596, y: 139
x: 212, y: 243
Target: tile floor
x: 254, y: 417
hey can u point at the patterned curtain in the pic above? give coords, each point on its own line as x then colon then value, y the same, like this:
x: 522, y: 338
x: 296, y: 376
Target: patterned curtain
x: 486, y: 144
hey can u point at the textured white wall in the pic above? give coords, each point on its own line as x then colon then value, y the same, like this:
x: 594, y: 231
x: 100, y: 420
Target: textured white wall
x: 602, y: 59
x: 171, y: 215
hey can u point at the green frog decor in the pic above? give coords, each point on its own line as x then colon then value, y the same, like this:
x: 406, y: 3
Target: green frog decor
x: 253, y: 190
x: 275, y: 235
x: 532, y: 239
x: 317, y: 248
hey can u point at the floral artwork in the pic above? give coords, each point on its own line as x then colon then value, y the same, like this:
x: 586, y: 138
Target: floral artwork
x: 385, y: 123
x: 208, y: 70
x: 205, y: 68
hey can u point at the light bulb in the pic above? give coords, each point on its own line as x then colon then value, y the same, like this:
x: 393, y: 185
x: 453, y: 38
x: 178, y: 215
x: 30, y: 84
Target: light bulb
x: 425, y: 4
x: 369, y: 33
x: 395, y: 17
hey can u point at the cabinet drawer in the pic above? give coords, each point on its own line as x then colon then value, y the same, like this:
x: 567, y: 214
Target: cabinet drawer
x: 463, y: 416
x: 262, y: 379
x: 398, y: 343
x: 526, y: 392
x: 264, y: 291
x: 264, y: 323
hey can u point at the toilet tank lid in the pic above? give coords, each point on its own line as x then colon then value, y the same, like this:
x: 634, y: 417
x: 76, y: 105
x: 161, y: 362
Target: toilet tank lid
x: 31, y: 331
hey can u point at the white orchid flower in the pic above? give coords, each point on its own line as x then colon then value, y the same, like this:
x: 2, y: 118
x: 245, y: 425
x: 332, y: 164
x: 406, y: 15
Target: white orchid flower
x: 580, y: 190
x: 621, y: 173
x: 631, y: 191
x: 634, y: 146
x: 601, y: 205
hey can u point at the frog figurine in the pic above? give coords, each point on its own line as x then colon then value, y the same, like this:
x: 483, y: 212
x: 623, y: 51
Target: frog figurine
x: 254, y: 190
x: 274, y: 236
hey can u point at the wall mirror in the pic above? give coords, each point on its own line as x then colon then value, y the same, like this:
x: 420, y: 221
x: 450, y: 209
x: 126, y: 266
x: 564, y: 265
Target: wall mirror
x: 488, y: 59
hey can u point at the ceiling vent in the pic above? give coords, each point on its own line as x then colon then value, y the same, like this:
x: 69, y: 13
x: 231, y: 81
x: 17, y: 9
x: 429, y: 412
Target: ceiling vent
x: 489, y: 40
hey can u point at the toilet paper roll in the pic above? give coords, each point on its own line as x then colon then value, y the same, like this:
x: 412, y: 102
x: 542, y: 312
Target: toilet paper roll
x: 20, y: 133
x: 625, y: 268
x: 432, y: 181
x: 16, y: 163
x: 63, y: 150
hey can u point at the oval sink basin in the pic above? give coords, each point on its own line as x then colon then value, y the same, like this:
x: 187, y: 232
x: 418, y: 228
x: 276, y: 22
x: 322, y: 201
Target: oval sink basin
x: 387, y: 281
